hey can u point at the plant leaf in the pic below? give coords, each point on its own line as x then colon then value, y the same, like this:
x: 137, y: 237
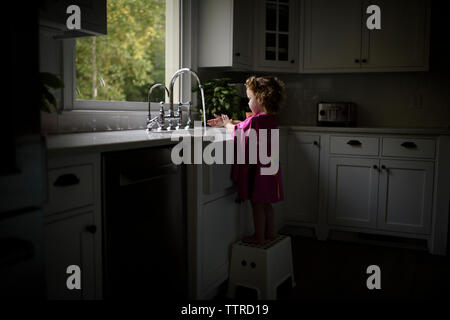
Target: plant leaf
x: 51, y: 80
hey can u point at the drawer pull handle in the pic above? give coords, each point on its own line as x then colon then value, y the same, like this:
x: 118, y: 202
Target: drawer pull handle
x: 409, y: 145
x: 315, y: 143
x: 354, y: 142
x: 65, y: 180
x: 91, y: 229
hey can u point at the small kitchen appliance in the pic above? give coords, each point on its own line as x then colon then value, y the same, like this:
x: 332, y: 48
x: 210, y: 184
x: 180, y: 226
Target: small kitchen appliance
x: 336, y: 114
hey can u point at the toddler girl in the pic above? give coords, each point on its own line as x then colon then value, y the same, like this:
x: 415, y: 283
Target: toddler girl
x: 265, y: 94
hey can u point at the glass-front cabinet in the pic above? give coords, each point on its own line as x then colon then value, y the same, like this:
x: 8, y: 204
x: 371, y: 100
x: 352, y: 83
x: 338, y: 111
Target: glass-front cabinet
x: 277, y: 35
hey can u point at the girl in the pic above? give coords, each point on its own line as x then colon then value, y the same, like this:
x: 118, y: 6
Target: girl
x: 265, y: 94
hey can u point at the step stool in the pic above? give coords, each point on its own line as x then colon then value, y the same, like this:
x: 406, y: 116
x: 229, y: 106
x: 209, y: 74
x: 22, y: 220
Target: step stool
x: 261, y: 267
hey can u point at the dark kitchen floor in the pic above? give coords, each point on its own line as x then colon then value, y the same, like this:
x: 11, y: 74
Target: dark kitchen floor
x: 335, y: 269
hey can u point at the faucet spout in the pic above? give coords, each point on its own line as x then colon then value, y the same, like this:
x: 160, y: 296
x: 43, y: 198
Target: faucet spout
x: 172, y: 83
x: 156, y: 85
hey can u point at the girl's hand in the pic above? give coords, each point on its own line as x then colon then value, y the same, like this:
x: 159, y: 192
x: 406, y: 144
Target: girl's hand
x: 226, y: 120
x: 216, y: 122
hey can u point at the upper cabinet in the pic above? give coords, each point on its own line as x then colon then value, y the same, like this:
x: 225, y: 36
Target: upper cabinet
x: 225, y: 33
x: 337, y: 38
x: 93, y: 22
x: 313, y: 36
x: 277, y: 35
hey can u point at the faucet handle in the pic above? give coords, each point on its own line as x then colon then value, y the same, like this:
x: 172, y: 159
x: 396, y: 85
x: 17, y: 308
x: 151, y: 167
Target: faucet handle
x: 179, y: 116
x: 162, y: 117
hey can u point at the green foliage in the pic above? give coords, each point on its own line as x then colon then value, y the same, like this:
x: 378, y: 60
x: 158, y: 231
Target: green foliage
x: 221, y: 97
x: 48, y: 81
x: 130, y: 58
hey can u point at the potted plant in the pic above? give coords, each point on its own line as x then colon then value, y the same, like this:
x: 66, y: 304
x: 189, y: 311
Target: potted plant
x: 48, y: 81
x: 221, y: 97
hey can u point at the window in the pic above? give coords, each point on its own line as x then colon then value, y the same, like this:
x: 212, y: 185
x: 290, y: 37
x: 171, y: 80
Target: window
x: 115, y: 71
x: 120, y: 65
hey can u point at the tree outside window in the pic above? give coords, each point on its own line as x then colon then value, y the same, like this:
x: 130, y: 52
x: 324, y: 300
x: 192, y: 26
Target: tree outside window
x: 122, y: 65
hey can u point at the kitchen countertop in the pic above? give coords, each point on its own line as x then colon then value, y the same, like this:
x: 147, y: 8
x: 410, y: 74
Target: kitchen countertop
x: 378, y: 130
x: 130, y: 139
x: 122, y: 140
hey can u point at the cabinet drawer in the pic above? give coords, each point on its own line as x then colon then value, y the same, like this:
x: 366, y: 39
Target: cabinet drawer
x: 404, y: 147
x: 69, y: 188
x: 366, y: 146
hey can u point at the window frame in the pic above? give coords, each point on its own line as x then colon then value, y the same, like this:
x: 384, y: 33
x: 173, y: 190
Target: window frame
x: 178, y: 49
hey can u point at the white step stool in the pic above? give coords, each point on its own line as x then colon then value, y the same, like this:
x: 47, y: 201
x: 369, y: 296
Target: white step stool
x: 261, y: 267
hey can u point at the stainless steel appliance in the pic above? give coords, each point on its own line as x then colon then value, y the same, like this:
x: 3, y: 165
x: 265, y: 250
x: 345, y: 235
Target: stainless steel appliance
x: 144, y: 221
x: 336, y: 114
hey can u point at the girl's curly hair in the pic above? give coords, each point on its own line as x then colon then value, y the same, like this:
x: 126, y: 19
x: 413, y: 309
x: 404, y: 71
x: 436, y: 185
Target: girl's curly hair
x: 269, y: 91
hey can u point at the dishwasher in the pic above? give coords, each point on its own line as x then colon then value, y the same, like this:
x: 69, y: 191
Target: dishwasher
x: 144, y: 225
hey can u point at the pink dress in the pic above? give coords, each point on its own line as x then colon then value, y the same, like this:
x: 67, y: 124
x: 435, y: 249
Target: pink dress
x: 251, y: 184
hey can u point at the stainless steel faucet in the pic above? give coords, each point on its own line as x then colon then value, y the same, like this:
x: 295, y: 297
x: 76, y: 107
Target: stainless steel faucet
x: 172, y: 83
x: 171, y: 117
x: 160, y: 120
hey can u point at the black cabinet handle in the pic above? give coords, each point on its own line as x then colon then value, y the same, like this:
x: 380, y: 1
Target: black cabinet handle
x: 354, y: 142
x: 383, y: 167
x: 292, y: 61
x: 364, y: 60
x: 409, y: 145
x: 356, y: 60
x: 315, y: 143
x: 238, y: 54
x: 375, y: 166
x: 65, y: 180
x: 91, y: 229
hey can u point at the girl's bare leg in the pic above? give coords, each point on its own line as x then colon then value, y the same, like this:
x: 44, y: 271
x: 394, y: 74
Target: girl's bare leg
x: 259, y: 222
x: 270, y: 228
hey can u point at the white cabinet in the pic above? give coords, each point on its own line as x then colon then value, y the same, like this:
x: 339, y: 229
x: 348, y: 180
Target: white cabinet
x: 277, y: 35
x: 332, y: 35
x: 382, y: 193
x: 353, y: 192
x: 225, y: 33
x: 403, y: 41
x: 73, y: 228
x: 303, y: 178
x: 70, y: 241
x: 405, y: 199
x: 338, y: 40
x: 220, y: 228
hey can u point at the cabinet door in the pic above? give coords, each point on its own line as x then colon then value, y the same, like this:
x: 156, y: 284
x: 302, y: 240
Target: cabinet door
x: 242, y: 33
x: 277, y: 35
x: 332, y: 35
x: 303, y: 179
x: 215, y: 33
x: 353, y: 192
x: 406, y: 190
x: 68, y: 242
x: 219, y: 228
x: 402, y: 40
